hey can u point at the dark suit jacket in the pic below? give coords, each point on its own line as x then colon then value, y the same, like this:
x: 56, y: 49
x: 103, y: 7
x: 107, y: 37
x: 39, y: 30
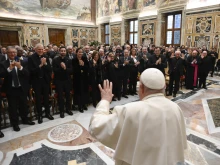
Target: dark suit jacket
x: 36, y: 71
x: 162, y: 66
x: 205, y: 64
x: 59, y: 72
x: 2, y: 58
x: 176, y: 66
x: 23, y: 76
x: 74, y: 55
x: 124, y: 69
x: 143, y: 62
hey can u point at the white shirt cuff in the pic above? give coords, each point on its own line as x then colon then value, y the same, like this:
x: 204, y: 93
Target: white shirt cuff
x: 9, y: 70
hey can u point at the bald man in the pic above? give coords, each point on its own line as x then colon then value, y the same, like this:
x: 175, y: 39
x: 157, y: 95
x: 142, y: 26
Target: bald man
x: 142, y: 132
x: 175, y: 72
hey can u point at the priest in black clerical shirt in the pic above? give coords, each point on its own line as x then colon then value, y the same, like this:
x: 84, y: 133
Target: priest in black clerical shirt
x: 62, y: 67
x: 40, y: 73
x: 158, y: 61
x: 175, y: 72
x: 15, y: 85
x: 204, y: 68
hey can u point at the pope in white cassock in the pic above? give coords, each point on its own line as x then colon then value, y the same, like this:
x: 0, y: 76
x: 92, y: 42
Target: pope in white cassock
x: 146, y: 132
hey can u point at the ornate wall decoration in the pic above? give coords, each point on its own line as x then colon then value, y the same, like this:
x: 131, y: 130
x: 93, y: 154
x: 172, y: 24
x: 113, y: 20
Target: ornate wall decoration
x: 34, y: 42
x: 148, y: 2
x: 203, y: 24
x: 148, y: 29
x: 83, y: 42
x: 131, y: 4
x: 147, y: 32
x: 64, y: 9
x: 92, y: 33
x: 189, y: 25
x: 116, y: 34
x: 147, y: 41
x: 83, y: 33
x: 75, y: 43
x: 202, y: 40
x: 189, y: 41
x: 34, y: 31
x: 116, y: 41
x: 216, y: 41
x: 75, y: 33
x: 217, y: 24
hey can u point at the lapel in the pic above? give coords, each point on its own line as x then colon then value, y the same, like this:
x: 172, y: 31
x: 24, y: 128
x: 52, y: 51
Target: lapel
x: 36, y: 60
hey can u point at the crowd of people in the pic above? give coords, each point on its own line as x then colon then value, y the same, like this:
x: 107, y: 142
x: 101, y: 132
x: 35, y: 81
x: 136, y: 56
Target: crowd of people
x: 78, y: 71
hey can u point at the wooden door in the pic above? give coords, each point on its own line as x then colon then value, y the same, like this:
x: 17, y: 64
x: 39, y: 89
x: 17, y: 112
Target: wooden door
x: 8, y: 38
x: 57, y: 36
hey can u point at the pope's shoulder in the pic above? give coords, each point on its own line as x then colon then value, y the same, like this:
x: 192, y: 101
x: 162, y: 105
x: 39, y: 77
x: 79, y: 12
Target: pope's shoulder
x: 149, y: 104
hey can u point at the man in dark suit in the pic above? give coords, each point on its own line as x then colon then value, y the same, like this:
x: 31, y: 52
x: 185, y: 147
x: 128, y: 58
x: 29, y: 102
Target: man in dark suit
x: 175, y: 72
x: 205, y: 66
x: 70, y: 55
x: 40, y: 73
x: 62, y: 67
x: 1, y: 134
x: 2, y: 58
x: 124, y: 69
x: 143, y: 58
x: 86, y: 52
x: 3, y: 55
x: 20, y: 55
x: 15, y: 85
x: 158, y: 61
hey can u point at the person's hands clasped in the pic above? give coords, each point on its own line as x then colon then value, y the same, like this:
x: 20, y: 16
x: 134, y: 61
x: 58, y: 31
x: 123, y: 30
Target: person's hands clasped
x: 106, y: 91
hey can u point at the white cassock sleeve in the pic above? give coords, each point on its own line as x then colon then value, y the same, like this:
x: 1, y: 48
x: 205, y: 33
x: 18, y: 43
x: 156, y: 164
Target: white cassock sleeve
x: 106, y: 127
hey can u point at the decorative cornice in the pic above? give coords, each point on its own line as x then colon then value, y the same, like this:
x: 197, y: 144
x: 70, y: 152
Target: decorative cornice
x: 203, y: 9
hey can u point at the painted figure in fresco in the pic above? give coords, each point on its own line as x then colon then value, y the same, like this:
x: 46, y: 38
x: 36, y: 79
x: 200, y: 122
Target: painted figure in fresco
x: 149, y: 2
x: 131, y: 4
x: 105, y: 8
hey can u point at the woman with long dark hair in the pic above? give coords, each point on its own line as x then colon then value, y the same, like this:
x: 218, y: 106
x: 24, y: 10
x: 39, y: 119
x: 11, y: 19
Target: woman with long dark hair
x: 80, y: 80
x: 95, y: 76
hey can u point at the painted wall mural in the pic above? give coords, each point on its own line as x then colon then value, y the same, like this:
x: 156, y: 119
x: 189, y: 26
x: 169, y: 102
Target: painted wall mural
x: 67, y: 9
x: 148, y: 2
x: 111, y: 7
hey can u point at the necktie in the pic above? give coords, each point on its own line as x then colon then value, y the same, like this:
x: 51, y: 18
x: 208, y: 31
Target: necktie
x: 15, y: 78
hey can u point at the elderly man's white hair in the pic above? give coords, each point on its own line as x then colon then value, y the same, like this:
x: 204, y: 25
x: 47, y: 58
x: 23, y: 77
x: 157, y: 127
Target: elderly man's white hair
x: 101, y: 50
x: 177, y: 52
x: 69, y: 47
x: 39, y: 45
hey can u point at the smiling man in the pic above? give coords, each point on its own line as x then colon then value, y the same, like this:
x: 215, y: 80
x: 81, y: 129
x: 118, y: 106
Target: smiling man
x: 147, y: 132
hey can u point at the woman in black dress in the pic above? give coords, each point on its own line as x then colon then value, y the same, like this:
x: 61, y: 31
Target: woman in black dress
x: 95, y: 77
x: 80, y: 80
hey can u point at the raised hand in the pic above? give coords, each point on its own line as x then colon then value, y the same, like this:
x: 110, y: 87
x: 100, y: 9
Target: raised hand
x: 12, y: 65
x: 17, y: 64
x: 106, y: 91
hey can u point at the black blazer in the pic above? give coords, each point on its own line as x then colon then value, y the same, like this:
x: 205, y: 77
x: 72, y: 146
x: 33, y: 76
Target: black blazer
x: 2, y: 58
x: 59, y: 72
x: 124, y: 69
x: 176, y: 66
x: 36, y: 71
x: 162, y: 66
x: 23, y: 76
